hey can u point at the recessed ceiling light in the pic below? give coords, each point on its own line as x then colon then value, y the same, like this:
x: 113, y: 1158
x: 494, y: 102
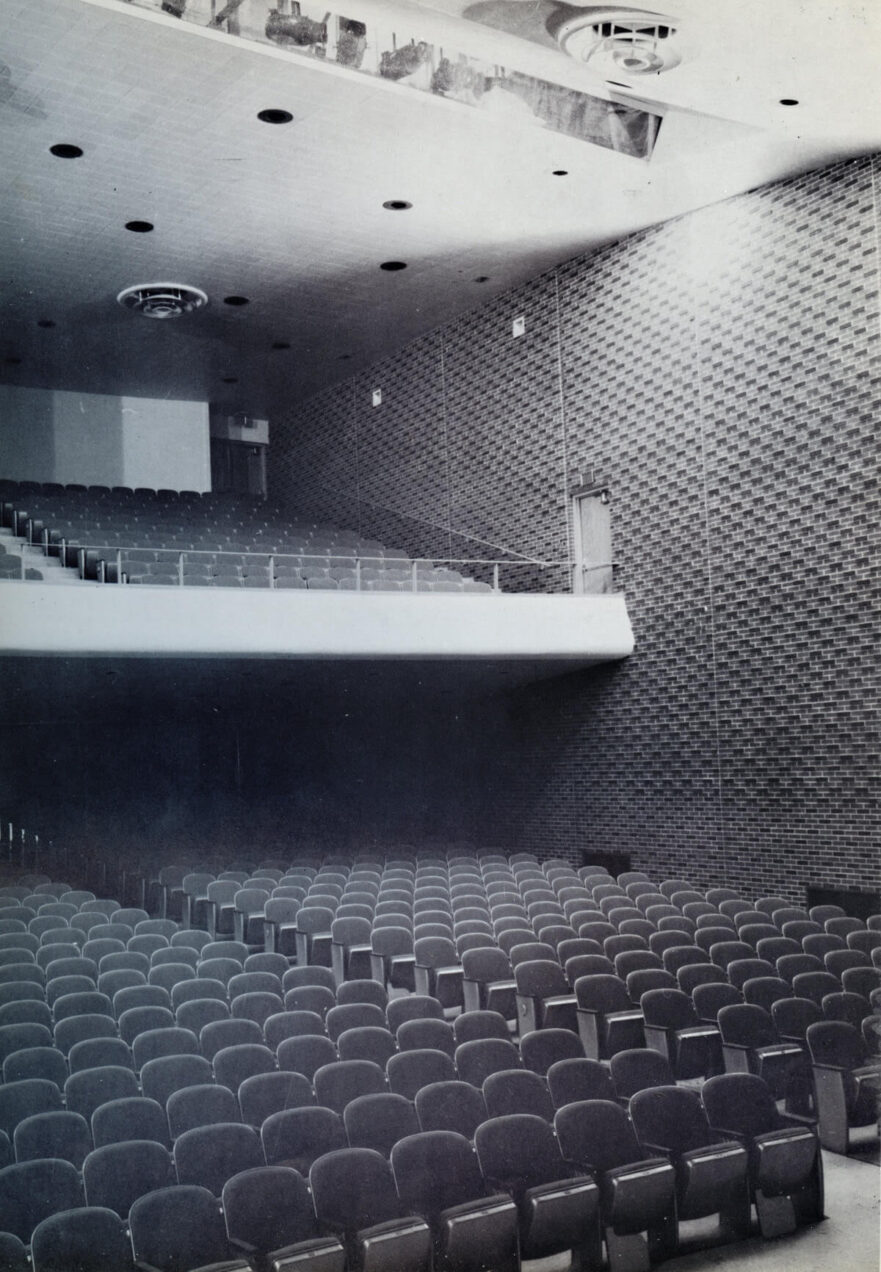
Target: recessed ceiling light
x: 279, y: 344
x: 63, y: 150
x: 274, y: 116
x: 788, y: 101
x: 230, y: 379
x: 482, y: 278
x: 397, y: 205
x: 236, y: 300
x: 45, y: 322
x: 560, y: 172
x: 392, y: 266
x: 139, y: 227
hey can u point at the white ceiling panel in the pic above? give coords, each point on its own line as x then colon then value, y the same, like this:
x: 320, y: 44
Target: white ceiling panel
x: 291, y: 217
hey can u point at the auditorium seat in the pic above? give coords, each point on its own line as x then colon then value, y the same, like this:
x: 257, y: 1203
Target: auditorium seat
x: 607, y: 1019
x: 354, y: 1196
x: 476, y: 1060
x: 60, y: 1134
x: 785, y: 1167
x: 232, y: 1065
x: 164, y: 1075
x: 116, y: 1175
x: 210, y: 1155
x: 558, y: 1208
x: 24, y: 1098
x: 847, y: 1082
x: 130, y: 1118
x: 379, y: 1120
x: 517, y: 1091
x: 32, y: 1191
x: 178, y: 1228
x: 90, y: 1239
x: 765, y: 991
x: 270, y: 1219
x: 306, y: 1054
x: 638, y: 1069
x: 202, y: 1104
x: 87, y: 1090
x: 579, y: 1079
x: 711, y: 1171
x: 637, y: 1193
x: 265, y: 1093
x: 544, y: 998
x: 36, y: 1062
x: 297, y: 1137
x: 343, y: 1080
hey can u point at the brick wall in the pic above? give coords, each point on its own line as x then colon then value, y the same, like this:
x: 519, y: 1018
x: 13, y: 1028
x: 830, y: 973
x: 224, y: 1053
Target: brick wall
x: 721, y: 373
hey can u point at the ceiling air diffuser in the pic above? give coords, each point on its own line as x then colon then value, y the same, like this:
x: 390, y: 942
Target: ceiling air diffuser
x: 622, y: 41
x: 162, y: 300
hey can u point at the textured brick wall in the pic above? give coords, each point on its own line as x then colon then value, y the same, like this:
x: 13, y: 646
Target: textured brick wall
x: 721, y: 374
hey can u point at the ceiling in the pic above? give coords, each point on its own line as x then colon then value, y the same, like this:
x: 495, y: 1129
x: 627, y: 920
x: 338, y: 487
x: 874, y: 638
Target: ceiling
x: 292, y: 217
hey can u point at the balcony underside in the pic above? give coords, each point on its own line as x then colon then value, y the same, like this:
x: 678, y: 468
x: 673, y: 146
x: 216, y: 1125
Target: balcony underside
x: 551, y: 632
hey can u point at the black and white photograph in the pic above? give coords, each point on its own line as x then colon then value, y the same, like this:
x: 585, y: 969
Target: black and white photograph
x: 440, y: 794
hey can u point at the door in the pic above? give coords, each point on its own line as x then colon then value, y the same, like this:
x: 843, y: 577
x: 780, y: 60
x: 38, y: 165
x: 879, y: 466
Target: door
x: 238, y: 466
x: 593, y: 543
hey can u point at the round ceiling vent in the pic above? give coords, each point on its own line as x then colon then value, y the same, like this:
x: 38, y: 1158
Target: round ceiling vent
x: 162, y: 300
x: 622, y: 41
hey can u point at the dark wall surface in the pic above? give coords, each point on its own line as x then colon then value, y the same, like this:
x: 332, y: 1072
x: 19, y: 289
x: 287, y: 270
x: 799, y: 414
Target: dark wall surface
x: 720, y: 373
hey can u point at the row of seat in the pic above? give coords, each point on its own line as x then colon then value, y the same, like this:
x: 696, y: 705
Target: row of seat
x: 126, y: 538
x: 364, y: 1035
x: 522, y: 1188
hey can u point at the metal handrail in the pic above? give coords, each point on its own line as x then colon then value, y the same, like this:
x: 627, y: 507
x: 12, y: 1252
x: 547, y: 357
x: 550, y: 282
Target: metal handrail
x: 177, y: 559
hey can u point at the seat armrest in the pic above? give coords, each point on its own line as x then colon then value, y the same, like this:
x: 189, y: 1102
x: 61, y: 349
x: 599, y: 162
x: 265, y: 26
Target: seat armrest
x: 657, y: 1150
x: 833, y: 1068
x: 728, y: 1134
x: 799, y: 1119
x: 321, y: 1254
x: 245, y: 1246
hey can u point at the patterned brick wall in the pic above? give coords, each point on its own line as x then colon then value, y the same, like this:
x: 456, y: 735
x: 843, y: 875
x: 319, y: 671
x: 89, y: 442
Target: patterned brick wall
x: 721, y: 373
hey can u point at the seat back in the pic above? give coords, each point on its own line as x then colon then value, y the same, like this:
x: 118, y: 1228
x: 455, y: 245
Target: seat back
x: 596, y: 1135
x: 86, y: 1240
x: 296, y: 1137
x: 435, y: 1170
x: 837, y: 1044
x: 517, y: 1091
x: 476, y: 1060
x: 352, y: 1189
x: 133, y: 1117
x: 268, y: 1208
x: 450, y: 1105
x: 670, y: 1117
x: 379, y: 1121
x: 178, y: 1228
x: 210, y: 1155
x: 164, y: 1075
x: 668, y: 1009
x: 32, y: 1191
x: 579, y: 1079
x: 339, y: 1082
x: 740, y: 1102
x: 116, y: 1175
x: 639, y: 1069
x: 518, y: 1152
